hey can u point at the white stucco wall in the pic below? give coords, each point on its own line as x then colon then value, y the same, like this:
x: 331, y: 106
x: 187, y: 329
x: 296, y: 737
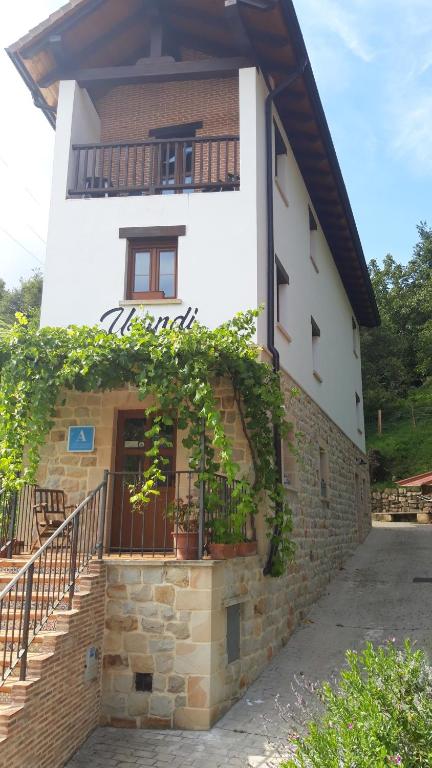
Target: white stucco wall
x: 320, y: 295
x: 85, y: 266
x: 221, y: 261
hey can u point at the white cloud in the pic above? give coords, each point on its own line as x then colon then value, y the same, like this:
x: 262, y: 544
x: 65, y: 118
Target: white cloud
x: 344, y: 23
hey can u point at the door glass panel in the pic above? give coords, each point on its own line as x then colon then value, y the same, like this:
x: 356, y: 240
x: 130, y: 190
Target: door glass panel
x: 167, y: 273
x: 168, y: 167
x: 142, y: 271
x: 133, y: 464
x: 188, y: 164
x: 134, y: 433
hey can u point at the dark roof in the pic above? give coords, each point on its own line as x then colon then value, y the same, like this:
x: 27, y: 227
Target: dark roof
x: 98, y: 33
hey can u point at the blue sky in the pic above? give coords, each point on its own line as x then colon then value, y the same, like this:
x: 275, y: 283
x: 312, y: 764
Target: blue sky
x: 373, y: 63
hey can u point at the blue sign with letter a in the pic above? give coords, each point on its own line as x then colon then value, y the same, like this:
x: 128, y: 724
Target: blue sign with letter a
x: 81, y: 439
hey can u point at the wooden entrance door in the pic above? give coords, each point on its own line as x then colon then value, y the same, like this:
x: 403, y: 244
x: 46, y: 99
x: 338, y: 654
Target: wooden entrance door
x: 151, y: 529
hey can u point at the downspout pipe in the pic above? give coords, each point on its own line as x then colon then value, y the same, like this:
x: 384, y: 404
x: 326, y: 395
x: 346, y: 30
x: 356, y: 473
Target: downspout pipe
x: 287, y: 83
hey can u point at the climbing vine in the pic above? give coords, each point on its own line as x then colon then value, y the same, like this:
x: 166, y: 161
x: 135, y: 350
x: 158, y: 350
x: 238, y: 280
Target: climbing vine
x: 178, y: 369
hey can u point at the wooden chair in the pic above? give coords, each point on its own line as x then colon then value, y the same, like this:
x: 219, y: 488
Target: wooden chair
x: 49, y: 512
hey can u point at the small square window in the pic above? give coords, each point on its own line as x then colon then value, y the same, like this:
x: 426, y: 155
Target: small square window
x: 143, y: 682
x: 152, y: 270
x: 323, y: 473
x: 233, y: 632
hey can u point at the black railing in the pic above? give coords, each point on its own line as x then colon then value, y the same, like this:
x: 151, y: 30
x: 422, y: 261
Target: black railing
x: 158, y: 167
x: 48, y: 580
x: 179, y: 516
x: 16, y: 520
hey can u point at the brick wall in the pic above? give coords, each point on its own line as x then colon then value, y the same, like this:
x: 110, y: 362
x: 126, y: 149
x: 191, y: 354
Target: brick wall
x: 50, y: 716
x: 129, y: 112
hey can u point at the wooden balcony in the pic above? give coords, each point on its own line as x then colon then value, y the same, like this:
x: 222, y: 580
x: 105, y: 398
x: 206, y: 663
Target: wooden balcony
x: 156, y: 167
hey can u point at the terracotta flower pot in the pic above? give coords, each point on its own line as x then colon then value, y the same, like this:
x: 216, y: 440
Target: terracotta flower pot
x: 246, y: 548
x: 222, y: 551
x: 186, y: 545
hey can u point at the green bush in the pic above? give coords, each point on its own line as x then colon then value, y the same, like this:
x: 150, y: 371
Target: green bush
x: 378, y: 715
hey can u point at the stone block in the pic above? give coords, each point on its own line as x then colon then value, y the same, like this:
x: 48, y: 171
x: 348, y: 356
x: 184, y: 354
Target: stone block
x: 180, y: 629
x: 152, y: 574
x: 198, y: 690
x: 193, y: 658
x: 141, y: 663
x: 142, y: 594
x: 164, y: 594
x: 162, y: 645
x: 193, y: 599
x: 167, y: 613
x: 188, y: 719
x: 131, y: 574
x: 136, y: 642
x: 176, y: 684
x: 122, y: 623
x: 152, y: 625
x: 117, y: 591
x: 161, y: 705
x: 177, y: 575
x: 138, y: 704
x: 115, y: 661
x: 164, y: 663
x: 149, y: 610
x: 123, y: 683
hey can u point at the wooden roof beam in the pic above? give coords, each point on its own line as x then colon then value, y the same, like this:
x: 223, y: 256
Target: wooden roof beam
x: 92, y: 48
x: 158, y: 71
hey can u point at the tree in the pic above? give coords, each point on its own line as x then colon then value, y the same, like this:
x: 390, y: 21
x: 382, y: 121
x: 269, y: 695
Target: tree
x: 397, y: 356
x: 26, y: 298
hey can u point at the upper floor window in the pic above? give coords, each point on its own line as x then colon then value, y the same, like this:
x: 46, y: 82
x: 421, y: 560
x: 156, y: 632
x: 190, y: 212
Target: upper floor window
x: 152, y: 270
x: 280, y: 148
x: 282, y: 281
x: 359, y: 413
x: 316, y: 337
x: 313, y: 240
x: 355, y: 338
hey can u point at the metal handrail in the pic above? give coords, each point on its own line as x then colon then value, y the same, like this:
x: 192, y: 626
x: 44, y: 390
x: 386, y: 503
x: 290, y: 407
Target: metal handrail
x: 62, y: 557
x: 49, y: 541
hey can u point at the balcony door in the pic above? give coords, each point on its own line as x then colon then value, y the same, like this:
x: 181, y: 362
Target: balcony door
x: 175, y: 166
x: 176, y: 156
x: 149, y: 529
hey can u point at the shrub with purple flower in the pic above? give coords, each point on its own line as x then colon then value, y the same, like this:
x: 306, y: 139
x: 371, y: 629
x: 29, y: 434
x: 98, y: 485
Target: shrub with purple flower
x: 377, y: 715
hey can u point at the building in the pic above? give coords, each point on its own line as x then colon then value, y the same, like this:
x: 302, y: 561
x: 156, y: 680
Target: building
x: 195, y: 176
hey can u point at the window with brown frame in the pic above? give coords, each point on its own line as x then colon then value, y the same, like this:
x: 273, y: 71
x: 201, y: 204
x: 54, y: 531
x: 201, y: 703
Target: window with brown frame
x: 152, y: 270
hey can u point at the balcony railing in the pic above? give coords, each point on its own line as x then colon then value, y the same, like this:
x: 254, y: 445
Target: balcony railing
x: 184, y: 504
x: 157, y: 167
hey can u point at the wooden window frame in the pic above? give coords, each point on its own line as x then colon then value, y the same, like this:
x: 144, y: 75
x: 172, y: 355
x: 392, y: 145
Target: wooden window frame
x: 155, y: 247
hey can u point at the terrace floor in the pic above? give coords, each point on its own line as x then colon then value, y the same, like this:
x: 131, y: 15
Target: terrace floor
x: 373, y: 598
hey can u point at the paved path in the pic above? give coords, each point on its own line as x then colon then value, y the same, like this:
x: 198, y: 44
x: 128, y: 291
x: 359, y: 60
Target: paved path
x: 373, y: 598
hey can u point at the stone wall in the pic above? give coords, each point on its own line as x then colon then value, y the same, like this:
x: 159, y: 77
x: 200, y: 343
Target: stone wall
x: 162, y: 619
x: 400, y: 501
x: 168, y: 619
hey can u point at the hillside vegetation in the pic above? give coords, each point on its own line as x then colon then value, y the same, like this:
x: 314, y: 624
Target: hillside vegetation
x: 405, y: 445
x: 397, y: 365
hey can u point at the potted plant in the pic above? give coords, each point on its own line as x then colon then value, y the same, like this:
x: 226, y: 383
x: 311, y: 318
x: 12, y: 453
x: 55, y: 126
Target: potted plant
x: 246, y: 548
x: 185, y: 515
x: 224, y: 540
